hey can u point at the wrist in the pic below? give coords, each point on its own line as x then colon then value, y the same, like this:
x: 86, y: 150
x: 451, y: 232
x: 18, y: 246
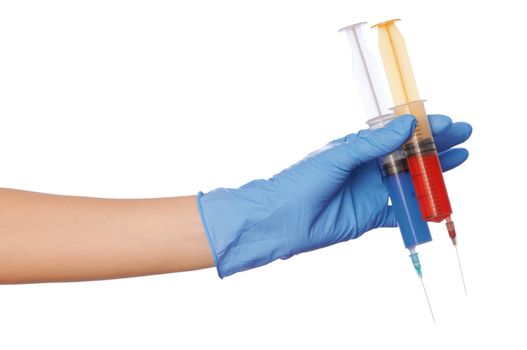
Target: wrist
x: 244, y: 226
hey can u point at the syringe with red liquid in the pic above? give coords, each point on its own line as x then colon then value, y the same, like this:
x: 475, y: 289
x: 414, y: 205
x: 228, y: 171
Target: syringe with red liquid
x: 423, y: 160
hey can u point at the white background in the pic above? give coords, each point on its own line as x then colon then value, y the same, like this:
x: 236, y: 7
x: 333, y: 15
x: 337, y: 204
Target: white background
x: 128, y: 99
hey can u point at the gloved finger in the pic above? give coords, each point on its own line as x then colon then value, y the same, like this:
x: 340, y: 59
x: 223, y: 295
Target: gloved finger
x: 390, y: 220
x: 386, y: 219
x: 458, y: 133
x: 439, y: 123
x: 368, y: 145
x: 452, y: 158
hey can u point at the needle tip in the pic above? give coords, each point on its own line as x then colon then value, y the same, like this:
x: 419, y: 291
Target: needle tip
x: 461, y: 271
x: 428, y: 300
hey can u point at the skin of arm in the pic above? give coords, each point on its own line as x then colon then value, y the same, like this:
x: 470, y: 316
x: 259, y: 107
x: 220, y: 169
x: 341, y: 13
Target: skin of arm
x: 57, y: 238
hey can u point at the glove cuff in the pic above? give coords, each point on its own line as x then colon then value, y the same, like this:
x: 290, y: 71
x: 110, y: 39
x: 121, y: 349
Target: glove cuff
x: 245, y: 227
x: 206, y: 229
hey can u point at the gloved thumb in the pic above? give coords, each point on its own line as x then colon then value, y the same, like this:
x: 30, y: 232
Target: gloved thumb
x: 368, y: 145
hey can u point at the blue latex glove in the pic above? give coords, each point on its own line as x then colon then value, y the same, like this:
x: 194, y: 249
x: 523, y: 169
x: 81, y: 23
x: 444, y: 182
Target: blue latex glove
x: 333, y: 195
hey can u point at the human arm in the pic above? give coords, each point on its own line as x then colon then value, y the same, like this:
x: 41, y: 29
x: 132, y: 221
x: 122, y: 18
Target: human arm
x: 52, y: 238
x: 333, y: 195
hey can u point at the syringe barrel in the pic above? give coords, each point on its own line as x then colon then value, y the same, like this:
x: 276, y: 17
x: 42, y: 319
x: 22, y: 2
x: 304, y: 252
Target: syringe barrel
x: 424, y: 166
x: 422, y: 158
x: 414, y: 230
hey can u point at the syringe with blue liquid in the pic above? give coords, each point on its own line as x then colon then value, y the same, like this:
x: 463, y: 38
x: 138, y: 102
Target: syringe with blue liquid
x: 376, y: 100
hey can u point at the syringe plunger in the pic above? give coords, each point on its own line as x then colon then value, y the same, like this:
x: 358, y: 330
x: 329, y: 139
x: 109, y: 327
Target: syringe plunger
x: 368, y: 74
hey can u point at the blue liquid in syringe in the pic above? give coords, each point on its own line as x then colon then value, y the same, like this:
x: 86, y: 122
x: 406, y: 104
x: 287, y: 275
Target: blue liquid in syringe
x: 414, y: 229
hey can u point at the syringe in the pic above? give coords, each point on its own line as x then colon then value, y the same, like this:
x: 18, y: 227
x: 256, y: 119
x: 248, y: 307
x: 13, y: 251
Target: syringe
x: 376, y: 101
x: 422, y: 157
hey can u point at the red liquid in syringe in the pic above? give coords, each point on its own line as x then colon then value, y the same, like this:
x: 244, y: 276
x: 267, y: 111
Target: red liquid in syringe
x: 425, y: 169
x: 429, y: 186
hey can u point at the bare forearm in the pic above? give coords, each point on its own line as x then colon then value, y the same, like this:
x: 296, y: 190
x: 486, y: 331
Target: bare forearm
x: 46, y: 237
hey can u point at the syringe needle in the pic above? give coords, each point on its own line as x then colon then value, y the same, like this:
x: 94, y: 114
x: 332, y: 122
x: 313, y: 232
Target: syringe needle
x: 428, y: 300
x: 461, y: 270
x: 452, y: 233
x: 417, y: 265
